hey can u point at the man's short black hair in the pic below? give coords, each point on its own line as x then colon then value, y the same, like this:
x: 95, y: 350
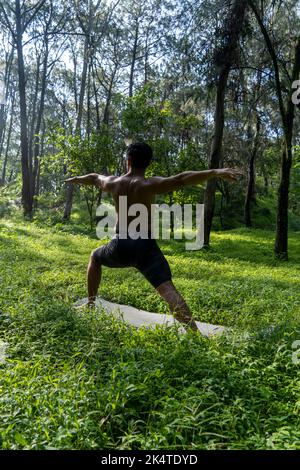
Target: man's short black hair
x: 140, y: 154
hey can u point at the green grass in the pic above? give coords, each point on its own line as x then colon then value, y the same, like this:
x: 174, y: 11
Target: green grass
x: 74, y: 380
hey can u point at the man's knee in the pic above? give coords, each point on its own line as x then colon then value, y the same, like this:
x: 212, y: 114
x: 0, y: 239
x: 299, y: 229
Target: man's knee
x: 95, y: 258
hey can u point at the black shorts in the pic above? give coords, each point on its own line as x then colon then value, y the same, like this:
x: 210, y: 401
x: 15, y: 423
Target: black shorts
x: 144, y: 255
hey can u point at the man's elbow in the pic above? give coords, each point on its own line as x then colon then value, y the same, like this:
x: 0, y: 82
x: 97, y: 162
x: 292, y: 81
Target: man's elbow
x: 182, y: 178
x: 177, y: 181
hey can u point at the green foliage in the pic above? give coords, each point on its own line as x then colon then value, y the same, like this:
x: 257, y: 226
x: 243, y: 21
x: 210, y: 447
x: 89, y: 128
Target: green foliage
x: 94, y: 153
x: 170, y: 131
x: 82, y: 380
x: 10, y: 200
x: 74, y: 155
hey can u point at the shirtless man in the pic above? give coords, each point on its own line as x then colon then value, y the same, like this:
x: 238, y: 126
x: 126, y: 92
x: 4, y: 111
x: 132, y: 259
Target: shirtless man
x: 143, y: 254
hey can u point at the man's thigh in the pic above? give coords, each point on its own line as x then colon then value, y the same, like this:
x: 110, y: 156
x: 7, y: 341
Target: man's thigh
x: 108, y: 255
x: 155, y: 267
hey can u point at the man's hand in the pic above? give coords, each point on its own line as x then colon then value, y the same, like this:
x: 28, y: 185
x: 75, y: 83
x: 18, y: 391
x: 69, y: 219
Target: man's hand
x: 228, y: 174
x: 73, y: 180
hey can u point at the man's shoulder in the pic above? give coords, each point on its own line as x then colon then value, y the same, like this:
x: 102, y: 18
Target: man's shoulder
x: 154, y: 179
x: 109, y: 177
x: 107, y: 182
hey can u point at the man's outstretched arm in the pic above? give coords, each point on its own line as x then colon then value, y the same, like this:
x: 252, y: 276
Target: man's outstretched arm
x: 92, y: 179
x: 190, y: 178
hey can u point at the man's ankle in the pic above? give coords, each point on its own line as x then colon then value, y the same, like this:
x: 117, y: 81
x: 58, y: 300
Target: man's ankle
x: 92, y: 299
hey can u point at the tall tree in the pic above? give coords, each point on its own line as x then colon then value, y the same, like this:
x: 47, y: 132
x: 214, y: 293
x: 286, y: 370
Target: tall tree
x: 225, y: 57
x: 287, y: 114
x: 21, y: 19
x: 93, y: 25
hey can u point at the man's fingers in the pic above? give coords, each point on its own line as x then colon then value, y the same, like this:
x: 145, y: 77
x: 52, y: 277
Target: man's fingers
x: 239, y: 172
x: 234, y: 174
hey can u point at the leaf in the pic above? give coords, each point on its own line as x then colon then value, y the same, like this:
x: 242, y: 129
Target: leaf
x: 20, y: 439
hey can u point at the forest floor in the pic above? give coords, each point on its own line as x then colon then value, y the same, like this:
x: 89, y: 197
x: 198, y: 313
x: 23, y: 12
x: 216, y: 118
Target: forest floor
x: 78, y: 380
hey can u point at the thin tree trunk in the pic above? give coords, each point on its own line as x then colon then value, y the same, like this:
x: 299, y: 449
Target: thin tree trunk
x: 36, y: 150
x: 134, y: 53
x: 4, y: 167
x: 37, y: 186
x: 266, y: 185
x: 83, y: 84
x: 281, y: 241
x: 70, y: 187
x: 216, y: 154
x: 27, y: 192
x: 146, y: 65
x: 38, y: 170
x: 3, y: 108
x: 2, y: 125
x: 33, y: 110
x: 251, y: 176
x: 98, y: 121
x: 108, y: 99
x: 88, y: 104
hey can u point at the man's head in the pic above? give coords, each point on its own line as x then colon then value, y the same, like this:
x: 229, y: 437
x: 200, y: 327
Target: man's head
x: 139, y: 155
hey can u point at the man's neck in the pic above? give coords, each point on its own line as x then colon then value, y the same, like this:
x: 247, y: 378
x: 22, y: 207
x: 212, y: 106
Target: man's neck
x: 135, y: 172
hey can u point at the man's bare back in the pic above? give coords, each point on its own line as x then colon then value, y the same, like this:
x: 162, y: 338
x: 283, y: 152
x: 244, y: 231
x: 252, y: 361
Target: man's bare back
x: 145, y: 255
x: 137, y: 190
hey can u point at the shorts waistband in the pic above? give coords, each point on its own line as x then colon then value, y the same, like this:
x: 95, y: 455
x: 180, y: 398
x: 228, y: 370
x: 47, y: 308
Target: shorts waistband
x: 125, y: 235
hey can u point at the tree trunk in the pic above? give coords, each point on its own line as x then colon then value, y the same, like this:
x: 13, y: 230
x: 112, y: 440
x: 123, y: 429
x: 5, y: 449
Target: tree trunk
x: 287, y: 115
x: 251, y: 177
x: 3, y: 176
x: 3, y: 107
x: 33, y: 111
x: 70, y: 187
x: 36, y: 150
x: 82, y: 84
x: 27, y: 190
x: 88, y: 104
x: 108, y: 98
x: 216, y: 154
x: 98, y: 121
x: 266, y: 185
x: 38, y: 169
x: 2, y: 125
x: 281, y: 240
x: 146, y: 64
x: 134, y: 52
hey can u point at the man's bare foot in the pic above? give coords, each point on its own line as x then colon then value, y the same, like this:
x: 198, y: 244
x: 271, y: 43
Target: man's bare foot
x: 87, y: 304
